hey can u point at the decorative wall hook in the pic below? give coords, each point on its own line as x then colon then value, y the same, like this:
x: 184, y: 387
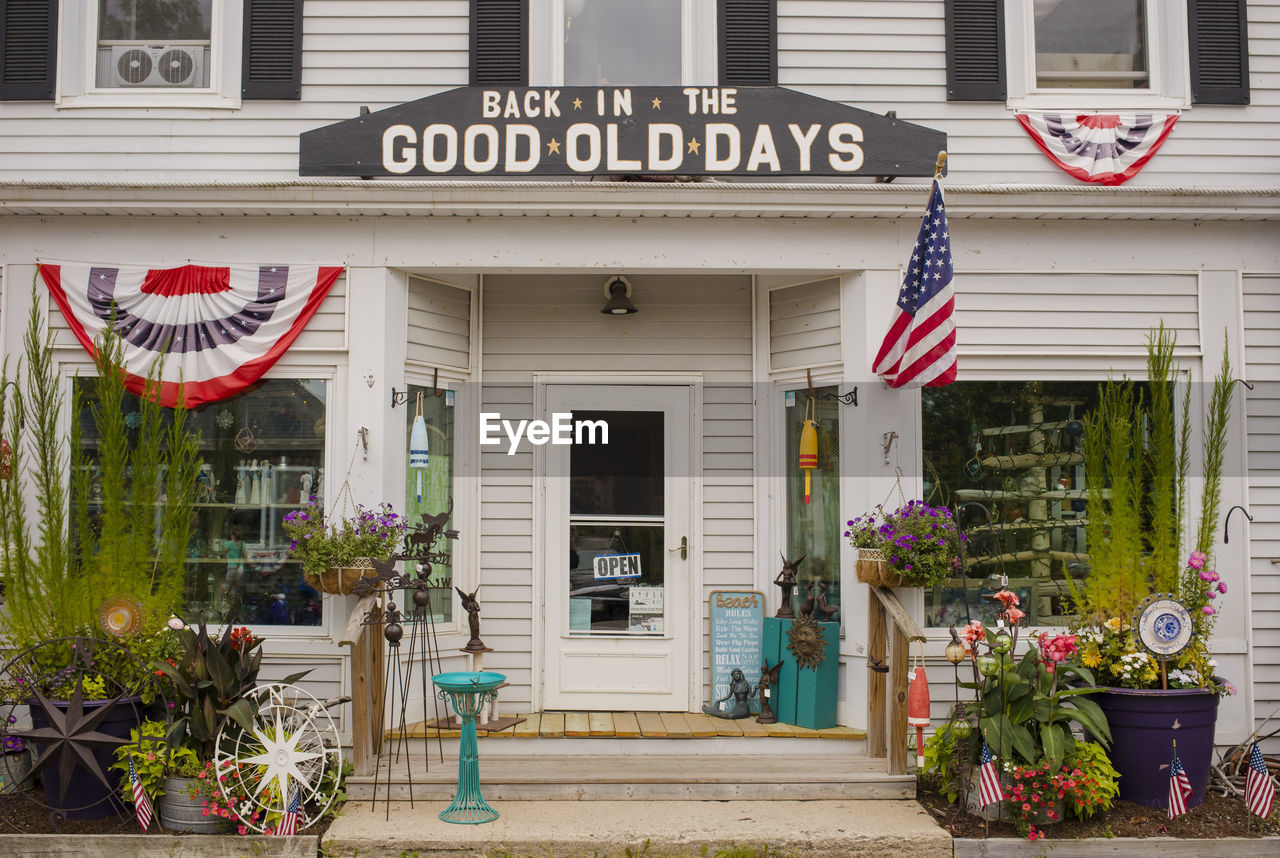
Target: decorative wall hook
x: 399, y: 397
x: 886, y: 441
x: 1246, y: 384
x: 363, y: 433
x: 850, y: 398
x: 1226, y: 538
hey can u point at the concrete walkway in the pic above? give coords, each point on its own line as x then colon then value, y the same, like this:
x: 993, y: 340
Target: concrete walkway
x: 596, y: 829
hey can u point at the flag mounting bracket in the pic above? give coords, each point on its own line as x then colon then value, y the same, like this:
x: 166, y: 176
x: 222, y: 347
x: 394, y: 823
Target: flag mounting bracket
x: 850, y: 398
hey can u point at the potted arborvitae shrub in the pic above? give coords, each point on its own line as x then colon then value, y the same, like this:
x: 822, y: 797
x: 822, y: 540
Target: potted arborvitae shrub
x: 1137, y: 457
x: 101, y: 551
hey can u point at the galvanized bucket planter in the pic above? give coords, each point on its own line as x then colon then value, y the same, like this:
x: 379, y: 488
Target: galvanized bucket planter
x: 180, y: 812
x: 15, y: 771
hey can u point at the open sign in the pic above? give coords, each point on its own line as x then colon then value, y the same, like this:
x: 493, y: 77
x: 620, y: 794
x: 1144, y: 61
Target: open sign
x: 609, y: 566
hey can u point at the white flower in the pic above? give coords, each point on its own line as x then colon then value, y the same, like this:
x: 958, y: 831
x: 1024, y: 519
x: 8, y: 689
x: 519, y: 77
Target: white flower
x: 176, y: 624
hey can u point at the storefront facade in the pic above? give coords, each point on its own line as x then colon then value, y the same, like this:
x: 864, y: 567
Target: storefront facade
x: 751, y: 292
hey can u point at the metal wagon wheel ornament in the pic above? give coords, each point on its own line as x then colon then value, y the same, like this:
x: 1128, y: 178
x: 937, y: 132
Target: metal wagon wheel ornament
x: 292, y: 745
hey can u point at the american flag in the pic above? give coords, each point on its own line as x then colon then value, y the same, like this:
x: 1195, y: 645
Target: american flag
x: 990, y: 791
x: 1259, y: 792
x: 920, y: 348
x: 1179, y: 787
x: 141, y: 806
x: 289, y: 823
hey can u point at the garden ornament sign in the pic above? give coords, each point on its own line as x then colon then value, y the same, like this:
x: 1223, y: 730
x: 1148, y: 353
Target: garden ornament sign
x: 519, y: 132
x: 1164, y: 627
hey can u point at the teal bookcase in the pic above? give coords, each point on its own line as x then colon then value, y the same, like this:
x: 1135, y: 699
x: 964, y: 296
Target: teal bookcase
x: 804, y: 697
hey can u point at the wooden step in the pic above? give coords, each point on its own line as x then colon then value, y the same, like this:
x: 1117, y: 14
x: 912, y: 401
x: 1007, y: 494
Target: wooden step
x: 642, y: 776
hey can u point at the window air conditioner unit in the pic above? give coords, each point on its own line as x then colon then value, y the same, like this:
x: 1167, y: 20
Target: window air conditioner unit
x: 157, y: 66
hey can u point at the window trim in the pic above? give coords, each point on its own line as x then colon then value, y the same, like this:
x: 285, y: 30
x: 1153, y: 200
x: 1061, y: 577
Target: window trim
x: 78, y: 45
x: 699, y: 43
x: 1167, y: 49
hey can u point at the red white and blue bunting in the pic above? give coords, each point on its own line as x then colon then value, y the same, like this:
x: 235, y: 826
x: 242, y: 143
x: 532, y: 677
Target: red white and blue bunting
x: 217, y: 329
x: 1106, y: 148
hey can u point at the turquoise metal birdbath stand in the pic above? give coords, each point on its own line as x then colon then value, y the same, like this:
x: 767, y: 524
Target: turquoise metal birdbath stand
x: 468, y: 692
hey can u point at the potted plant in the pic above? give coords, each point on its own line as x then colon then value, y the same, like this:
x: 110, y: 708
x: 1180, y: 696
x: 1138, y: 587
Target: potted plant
x: 165, y: 772
x: 1137, y: 458
x: 1027, y: 711
x: 337, y: 554
x: 106, y: 559
x: 916, y: 545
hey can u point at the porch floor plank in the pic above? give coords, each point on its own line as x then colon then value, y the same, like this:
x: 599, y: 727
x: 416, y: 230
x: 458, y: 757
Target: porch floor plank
x: 700, y: 725
x: 677, y: 727
x: 625, y: 725
x: 529, y: 729
x: 726, y: 726
x: 577, y: 724
x: 651, y: 724
x: 780, y: 730
x: 751, y: 728
x: 601, y: 724
x: 552, y: 725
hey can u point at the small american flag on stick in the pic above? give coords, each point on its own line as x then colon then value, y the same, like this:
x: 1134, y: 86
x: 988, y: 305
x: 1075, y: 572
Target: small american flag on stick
x: 1179, y: 786
x: 289, y: 823
x: 989, y: 790
x: 1259, y: 791
x: 141, y: 805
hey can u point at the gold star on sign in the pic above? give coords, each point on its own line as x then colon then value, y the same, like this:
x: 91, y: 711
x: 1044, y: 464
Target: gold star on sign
x: 577, y: 104
x: 553, y: 148
x: 693, y: 145
x: 657, y: 104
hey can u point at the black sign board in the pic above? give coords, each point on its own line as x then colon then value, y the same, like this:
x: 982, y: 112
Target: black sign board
x: 756, y: 132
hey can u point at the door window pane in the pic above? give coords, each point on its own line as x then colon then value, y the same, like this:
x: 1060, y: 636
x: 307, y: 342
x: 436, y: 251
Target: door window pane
x: 263, y: 453
x: 622, y: 42
x: 617, y: 528
x: 429, y: 490
x: 814, y: 529
x: 1091, y: 44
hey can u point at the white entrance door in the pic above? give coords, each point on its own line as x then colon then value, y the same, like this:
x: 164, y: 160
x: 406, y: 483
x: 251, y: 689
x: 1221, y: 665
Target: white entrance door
x: 617, y: 583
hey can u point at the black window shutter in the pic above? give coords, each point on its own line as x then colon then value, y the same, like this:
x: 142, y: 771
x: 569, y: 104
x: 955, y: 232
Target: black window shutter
x: 975, y: 50
x: 499, y: 43
x: 28, y: 49
x: 748, y: 42
x: 1218, y: 34
x: 271, y: 60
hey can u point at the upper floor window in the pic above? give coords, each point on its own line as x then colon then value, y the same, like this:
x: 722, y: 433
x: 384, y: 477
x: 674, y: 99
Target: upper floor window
x: 1091, y: 44
x: 154, y: 43
x: 622, y: 42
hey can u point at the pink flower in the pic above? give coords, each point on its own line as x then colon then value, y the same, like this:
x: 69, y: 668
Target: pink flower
x: 1208, y: 610
x: 1007, y: 598
x: 240, y: 829
x: 1206, y: 576
x: 1210, y: 594
x: 1013, y: 614
x: 1026, y: 806
x: 973, y: 633
x: 1213, y: 576
x: 1222, y: 587
x: 1197, y: 560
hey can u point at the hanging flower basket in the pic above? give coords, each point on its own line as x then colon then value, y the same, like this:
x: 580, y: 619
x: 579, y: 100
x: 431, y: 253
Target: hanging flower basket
x: 341, y: 579
x: 872, y: 568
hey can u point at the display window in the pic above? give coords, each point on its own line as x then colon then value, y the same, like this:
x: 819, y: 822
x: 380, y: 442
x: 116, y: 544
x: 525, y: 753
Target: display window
x: 263, y: 457
x: 815, y: 530
x: 429, y: 479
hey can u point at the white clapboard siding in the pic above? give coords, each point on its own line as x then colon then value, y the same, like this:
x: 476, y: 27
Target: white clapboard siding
x: 804, y: 325
x: 879, y: 55
x: 326, y: 331
x: 439, y: 322
x: 1095, y: 320
x: 1262, y: 424
x: 553, y: 323
x: 885, y: 55
x: 324, y: 681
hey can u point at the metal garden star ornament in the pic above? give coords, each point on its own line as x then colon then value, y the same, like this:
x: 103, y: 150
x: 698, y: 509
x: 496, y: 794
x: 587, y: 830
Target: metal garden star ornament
x: 71, y: 736
x: 280, y: 756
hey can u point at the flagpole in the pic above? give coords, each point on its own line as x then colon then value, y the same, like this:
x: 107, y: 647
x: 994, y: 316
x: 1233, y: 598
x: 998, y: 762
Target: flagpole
x: 942, y: 162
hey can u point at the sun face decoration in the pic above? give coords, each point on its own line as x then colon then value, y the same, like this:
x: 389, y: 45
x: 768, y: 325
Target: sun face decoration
x: 806, y: 642
x: 121, y: 616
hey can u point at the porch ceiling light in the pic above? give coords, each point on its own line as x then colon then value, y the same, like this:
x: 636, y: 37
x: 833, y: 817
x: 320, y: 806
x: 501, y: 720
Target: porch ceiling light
x: 618, y: 290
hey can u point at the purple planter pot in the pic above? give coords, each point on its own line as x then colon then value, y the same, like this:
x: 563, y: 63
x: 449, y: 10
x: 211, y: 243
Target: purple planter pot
x: 1142, y: 737
x: 86, y: 797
